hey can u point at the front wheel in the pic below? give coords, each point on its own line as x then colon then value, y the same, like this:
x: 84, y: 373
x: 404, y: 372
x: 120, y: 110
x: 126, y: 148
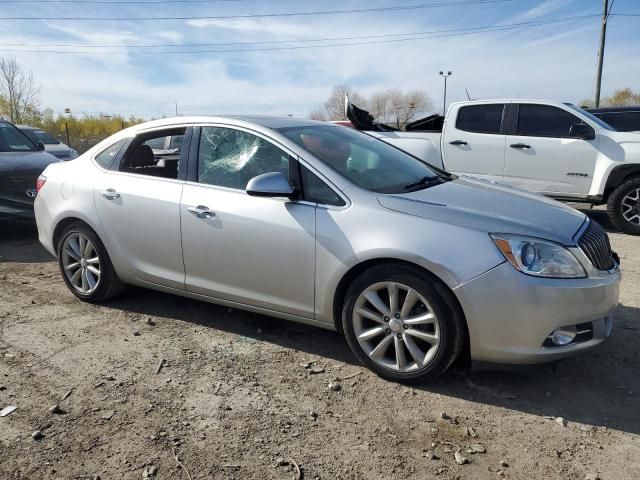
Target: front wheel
x: 85, y: 265
x: 402, y: 324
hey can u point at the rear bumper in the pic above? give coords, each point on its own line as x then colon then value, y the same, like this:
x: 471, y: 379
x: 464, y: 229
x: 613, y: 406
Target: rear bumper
x: 510, y: 315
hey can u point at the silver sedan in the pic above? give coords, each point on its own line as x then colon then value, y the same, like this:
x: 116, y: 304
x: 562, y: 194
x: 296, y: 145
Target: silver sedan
x: 324, y: 225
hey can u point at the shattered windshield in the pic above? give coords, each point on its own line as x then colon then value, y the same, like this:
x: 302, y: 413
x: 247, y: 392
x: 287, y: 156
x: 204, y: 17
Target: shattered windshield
x: 366, y: 161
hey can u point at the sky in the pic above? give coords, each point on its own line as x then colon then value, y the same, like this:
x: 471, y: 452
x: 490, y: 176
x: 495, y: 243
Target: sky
x: 254, y: 57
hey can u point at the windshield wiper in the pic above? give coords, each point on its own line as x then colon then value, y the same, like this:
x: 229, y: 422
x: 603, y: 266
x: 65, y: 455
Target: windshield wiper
x: 424, y: 182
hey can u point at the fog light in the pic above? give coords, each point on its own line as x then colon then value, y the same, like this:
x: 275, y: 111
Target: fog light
x: 564, y: 335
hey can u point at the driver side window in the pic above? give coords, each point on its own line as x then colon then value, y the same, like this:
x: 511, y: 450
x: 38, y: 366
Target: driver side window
x: 230, y: 158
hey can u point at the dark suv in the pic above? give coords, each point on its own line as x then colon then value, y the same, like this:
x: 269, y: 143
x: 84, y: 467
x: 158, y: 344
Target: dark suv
x: 623, y: 119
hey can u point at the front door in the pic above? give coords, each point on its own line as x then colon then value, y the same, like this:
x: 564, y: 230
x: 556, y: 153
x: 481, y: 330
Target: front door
x: 251, y: 250
x: 542, y: 157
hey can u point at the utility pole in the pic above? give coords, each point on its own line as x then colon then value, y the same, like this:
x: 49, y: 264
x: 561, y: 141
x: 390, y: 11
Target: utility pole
x: 444, y: 101
x: 603, y: 37
x: 176, y: 108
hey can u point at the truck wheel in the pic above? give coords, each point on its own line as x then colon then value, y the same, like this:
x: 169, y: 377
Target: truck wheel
x: 402, y: 324
x: 623, y: 207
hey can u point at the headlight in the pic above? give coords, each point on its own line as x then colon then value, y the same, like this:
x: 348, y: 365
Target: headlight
x: 540, y: 258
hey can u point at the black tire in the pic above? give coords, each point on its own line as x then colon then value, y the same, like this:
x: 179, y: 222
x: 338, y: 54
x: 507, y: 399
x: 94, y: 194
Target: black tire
x: 614, y: 207
x: 453, y: 332
x: 108, y: 285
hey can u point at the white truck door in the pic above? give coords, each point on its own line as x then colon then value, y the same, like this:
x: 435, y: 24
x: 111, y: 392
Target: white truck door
x: 473, y: 140
x: 543, y: 156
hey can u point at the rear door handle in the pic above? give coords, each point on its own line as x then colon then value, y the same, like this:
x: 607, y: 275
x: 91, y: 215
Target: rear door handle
x: 521, y: 146
x: 458, y: 142
x: 110, y: 194
x: 201, y: 211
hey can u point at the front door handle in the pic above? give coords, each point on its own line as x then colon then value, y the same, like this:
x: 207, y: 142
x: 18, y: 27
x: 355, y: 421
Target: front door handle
x: 201, y: 211
x: 458, y: 142
x: 110, y: 194
x: 521, y: 146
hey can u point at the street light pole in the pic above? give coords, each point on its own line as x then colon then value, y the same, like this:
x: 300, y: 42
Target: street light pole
x: 444, y: 101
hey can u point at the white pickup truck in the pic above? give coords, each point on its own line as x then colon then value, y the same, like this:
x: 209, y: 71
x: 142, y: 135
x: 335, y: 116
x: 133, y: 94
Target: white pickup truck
x: 553, y: 148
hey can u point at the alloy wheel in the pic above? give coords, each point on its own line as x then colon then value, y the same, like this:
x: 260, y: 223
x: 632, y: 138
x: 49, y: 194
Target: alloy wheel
x: 630, y: 206
x: 396, y: 327
x: 81, y: 263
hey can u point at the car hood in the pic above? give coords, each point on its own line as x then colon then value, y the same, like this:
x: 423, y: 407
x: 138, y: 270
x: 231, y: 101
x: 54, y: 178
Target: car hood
x: 490, y: 207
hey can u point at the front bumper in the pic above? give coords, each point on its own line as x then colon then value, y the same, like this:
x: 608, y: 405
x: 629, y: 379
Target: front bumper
x: 510, y: 315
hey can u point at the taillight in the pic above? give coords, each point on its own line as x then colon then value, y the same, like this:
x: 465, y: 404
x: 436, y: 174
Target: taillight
x: 40, y: 182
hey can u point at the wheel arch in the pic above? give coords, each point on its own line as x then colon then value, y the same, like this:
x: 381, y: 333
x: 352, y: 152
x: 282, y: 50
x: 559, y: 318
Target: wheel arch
x: 64, y: 223
x: 464, y: 358
x: 618, y: 176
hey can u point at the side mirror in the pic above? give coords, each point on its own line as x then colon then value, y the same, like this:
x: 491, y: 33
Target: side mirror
x: 582, y: 131
x: 273, y: 184
x: 40, y: 146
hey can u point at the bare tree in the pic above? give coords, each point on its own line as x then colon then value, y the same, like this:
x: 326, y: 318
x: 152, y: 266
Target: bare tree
x: 333, y: 108
x: 18, y: 91
x: 620, y: 98
x: 397, y: 107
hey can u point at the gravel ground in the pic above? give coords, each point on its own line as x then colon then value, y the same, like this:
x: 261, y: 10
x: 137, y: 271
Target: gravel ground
x: 244, y: 396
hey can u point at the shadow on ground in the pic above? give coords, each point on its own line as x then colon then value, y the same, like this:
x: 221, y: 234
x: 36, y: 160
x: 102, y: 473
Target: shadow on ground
x: 19, y: 243
x: 599, y: 388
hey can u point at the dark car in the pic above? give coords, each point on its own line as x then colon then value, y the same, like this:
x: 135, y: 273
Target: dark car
x: 623, y: 119
x: 21, y: 163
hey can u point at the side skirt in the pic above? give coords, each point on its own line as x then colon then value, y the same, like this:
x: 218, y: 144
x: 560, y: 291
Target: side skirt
x: 239, y: 306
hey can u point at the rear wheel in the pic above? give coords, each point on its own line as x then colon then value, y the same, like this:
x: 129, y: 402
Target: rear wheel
x: 402, y: 323
x: 85, y: 265
x: 623, y: 207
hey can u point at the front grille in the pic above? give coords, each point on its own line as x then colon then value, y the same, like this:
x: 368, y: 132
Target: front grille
x: 594, y: 242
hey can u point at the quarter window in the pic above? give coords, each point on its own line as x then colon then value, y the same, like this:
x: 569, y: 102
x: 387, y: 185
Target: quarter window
x: 230, y: 158
x: 544, y: 121
x: 315, y: 190
x: 105, y: 157
x: 480, y: 118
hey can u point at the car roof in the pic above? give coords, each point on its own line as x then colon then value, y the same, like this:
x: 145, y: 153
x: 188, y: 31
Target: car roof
x: 630, y: 108
x: 272, y: 122
x: 27, y: 127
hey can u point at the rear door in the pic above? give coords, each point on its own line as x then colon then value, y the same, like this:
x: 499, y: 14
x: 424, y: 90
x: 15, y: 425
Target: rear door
x: 138, y: 203
x: 473, y: 141
x: 541, y: 156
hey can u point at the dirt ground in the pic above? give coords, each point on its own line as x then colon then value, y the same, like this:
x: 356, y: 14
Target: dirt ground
x: 233, y: 399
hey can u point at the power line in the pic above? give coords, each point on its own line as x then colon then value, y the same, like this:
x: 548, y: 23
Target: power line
x: 325, y: 39
x: 269, y: 15
x: 426, y: 35
x: 116, y: 2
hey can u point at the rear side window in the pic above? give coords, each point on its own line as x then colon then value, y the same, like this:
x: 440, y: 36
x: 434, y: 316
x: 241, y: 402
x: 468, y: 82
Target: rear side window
x: 105, y: 157
x: 622, y: 121
x: 544, y: 121
x: 480, y: 118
